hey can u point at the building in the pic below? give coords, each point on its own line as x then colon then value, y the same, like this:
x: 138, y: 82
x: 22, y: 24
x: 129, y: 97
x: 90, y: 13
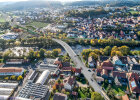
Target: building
x: 48, y: 64
x: 16, y: 61
x: 33, y: 91
x: 8, y: 85
x: 9, y: 36
x: 60, y: 96
x: 44, y: 76
x: 91, y: 62
x: 116, y: 61
x: 11, y: 71
x: 69, y: 82
x: 135, y: 68
x: 33, y: 76
x: 125, y: 97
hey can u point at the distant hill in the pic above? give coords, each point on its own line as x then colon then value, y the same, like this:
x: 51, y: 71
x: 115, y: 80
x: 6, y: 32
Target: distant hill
x: 104, y: 2
x: 83, y: 3
x: 31, y: 4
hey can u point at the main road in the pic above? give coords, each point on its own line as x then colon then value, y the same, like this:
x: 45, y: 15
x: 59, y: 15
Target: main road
x: 79, y: 64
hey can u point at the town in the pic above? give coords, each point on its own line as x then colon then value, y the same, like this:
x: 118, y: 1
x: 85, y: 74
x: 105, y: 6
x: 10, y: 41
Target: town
x: 82, y: 50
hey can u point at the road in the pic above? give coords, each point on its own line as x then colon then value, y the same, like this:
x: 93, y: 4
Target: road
x: 79, y: 64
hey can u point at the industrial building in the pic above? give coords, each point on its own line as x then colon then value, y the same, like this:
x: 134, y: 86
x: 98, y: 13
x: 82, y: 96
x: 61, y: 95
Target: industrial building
x: 32, y: 76
x: 6, y: 90
x: 8, y: 85
x: 11, y: 71
x: 44, y: 76
x: 48, y: 64
x: 33, y: 91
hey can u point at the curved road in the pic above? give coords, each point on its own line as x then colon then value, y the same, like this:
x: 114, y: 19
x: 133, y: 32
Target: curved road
x: 79, y: 64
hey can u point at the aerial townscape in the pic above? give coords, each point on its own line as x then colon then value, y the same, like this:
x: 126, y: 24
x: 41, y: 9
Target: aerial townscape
x: 69, y: 49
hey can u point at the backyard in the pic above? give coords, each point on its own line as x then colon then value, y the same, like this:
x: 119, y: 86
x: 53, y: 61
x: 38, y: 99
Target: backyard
x: 117, y: 90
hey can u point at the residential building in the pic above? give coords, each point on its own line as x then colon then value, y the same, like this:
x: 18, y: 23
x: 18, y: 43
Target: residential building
x: 69, y: 82
x: 60, y: 96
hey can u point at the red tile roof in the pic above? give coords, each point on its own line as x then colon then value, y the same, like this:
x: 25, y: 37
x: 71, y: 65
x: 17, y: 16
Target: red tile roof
x: 10, y: 69
x: 125, y: 97
x: 70, y: 80
x: 107, y: 65
x: 133, y: 75
x: 76, y: 70
x: 134, y: 88
x: 119, y: 74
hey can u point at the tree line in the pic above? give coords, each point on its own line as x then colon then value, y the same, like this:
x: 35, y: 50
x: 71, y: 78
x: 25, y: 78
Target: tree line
x: 41, y: 42
x: 108, y: 51
x: 103, y: 42
x: 32, y: 55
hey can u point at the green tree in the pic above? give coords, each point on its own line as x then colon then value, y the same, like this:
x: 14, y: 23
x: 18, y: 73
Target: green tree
x: 42, y: 53
x: 125, y: 50
x: 107, y: 50
x: 96, y: 96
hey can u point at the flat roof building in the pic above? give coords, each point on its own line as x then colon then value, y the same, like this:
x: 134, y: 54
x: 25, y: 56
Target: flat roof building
x: 33, y: 90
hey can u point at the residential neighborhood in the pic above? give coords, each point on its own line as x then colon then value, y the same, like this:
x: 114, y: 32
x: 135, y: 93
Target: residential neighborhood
x: 70, y: 50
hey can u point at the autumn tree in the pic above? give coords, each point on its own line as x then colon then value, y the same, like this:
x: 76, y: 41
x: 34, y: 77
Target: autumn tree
x: 96, y: 96
x: 19, y: 78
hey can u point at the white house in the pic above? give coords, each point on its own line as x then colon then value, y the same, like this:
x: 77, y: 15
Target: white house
x: 116, y: 60
x: 11, y: 71
x: 69, y: 82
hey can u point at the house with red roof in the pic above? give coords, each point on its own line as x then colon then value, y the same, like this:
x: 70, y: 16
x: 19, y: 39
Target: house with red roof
x: 105, y: 70
x: 134, y: 84
x: 120, y: 78
x: 77, y: 71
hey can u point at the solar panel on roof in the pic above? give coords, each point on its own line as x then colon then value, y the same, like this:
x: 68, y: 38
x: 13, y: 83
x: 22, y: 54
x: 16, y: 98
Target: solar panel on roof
x: 133, y: 84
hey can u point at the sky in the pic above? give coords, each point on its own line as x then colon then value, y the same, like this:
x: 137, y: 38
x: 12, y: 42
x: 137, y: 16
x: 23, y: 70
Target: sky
x: 27, y: 0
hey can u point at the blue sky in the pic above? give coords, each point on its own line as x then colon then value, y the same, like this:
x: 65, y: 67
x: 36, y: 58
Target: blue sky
x: 38, y: 0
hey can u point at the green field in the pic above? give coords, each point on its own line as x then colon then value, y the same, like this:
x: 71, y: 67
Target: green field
x: 134, y: 12
x: 38, y: 24
x: 2, y: 19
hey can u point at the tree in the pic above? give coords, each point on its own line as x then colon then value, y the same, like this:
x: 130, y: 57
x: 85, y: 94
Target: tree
x: 55, y: 52
x: 31, y: 55
x: 13, y: 77
x: 94, y: 55
x: 96, y: 96
x: 19, y: 78
x: 107, y: 50
x: 6, y: 78
x: 42, y: 53
x: 125, y: 50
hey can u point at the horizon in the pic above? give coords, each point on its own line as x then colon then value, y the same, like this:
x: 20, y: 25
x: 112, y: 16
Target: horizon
x: 38, y: 0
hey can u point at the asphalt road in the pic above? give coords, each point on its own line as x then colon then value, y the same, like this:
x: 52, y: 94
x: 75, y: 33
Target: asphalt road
x: 79, y: 64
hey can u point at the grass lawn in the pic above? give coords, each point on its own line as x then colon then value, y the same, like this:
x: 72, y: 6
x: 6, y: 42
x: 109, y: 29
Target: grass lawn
x: 117, y: 90
x: 2, y: 20
x: 134, y: 12
x: 38, y: 24
x: 81, y: 95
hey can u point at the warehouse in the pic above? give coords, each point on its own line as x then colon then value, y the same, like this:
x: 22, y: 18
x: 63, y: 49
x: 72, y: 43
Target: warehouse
x: 33, y: 90
x: 5, y: 91
x: 4, y: 97
x: 8, y: 85
x: 11, y: 71
x: 42, y: 79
